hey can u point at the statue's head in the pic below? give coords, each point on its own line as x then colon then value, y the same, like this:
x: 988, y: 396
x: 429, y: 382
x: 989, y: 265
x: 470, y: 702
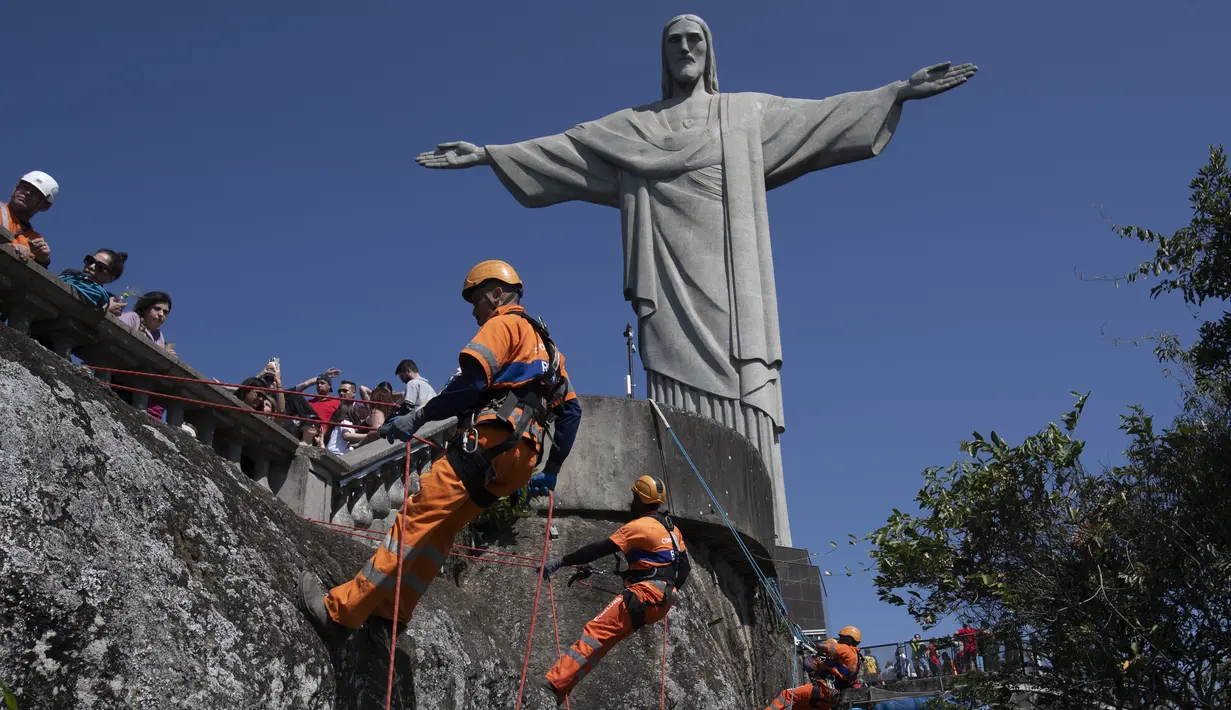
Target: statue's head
x: 688, y: 54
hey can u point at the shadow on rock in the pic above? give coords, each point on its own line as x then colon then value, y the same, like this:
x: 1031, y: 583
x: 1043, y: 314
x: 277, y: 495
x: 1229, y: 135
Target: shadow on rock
x: 362, y: 669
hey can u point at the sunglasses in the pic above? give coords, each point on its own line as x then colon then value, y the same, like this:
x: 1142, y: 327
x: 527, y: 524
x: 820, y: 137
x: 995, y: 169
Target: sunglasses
x: 98, y: 265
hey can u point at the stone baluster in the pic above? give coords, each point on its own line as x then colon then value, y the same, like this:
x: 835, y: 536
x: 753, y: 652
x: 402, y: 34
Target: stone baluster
x: 394, y: 491
x: 235, y: 450
x: 378, y: 497
x: 22, y: 311
x: 260, y: 471
x: 206, y: 430
x: 360, y: 511
x: 341, y: 513
x: 175, y: 410
x: 62, y: 344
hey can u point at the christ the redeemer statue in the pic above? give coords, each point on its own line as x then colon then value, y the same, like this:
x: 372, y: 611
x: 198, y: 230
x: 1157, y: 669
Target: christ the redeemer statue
x: 689, y: 175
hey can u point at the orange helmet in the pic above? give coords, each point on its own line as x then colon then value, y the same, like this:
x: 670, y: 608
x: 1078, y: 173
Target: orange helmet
x: 650, y: 490
x: 852, y: 632
x: 490, y: 270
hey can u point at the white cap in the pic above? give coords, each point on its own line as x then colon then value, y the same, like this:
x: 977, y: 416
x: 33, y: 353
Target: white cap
x: 44, y: 182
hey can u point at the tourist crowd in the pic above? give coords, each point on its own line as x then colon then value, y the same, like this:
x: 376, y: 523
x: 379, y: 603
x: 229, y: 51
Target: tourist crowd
x: 329, y: 420
x: 323, y: 419
x: 967, y: 650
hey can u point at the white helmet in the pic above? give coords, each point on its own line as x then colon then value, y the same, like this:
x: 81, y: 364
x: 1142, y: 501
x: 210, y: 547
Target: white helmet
x: 44, y: 182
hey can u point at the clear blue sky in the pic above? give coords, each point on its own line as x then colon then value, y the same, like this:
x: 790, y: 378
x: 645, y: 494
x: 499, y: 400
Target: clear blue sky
x: 255, y: 160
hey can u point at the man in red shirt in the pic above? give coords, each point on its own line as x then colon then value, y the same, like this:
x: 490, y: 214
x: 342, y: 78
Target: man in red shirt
x: 34, y: 193
x: 966, y: 657
x: 323, y: 407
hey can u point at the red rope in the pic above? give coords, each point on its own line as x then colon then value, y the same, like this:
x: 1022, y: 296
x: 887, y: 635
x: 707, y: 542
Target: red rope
x: 176, y: 378
x: 495, y: 562
x: 375, y: 536
x: 662, y: 703
x: 372, y: 537
x: 555, y: 624
x: 255, y: 413
x: 598, y: 589
x: 521, y: 687
x: 494, y: 552
x: 344, y: 528
x: 397, y: 587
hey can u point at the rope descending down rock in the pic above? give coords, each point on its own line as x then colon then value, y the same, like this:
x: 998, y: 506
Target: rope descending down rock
x: 397, y: 588
x: 525, y: 666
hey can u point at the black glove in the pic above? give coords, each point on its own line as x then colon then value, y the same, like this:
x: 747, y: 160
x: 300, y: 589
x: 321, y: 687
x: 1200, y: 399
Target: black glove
x: 550, y: 568
x: 402, y: 428
x: 582, y: 573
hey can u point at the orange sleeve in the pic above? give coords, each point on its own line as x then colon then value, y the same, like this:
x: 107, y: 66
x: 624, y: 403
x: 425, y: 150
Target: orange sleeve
x: 623, y: 538
x: 491, y: 347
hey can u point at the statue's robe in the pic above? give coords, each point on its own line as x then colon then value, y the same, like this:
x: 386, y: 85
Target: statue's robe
x: 698, y: 267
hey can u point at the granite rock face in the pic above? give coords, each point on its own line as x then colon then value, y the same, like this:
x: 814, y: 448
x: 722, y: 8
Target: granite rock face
x: 138, y: 569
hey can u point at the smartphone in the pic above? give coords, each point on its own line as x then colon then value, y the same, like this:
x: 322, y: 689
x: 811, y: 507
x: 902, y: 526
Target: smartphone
x: 268, y: 377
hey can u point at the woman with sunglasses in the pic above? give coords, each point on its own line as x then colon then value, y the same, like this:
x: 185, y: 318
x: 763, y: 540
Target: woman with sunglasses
x: 99, y: 269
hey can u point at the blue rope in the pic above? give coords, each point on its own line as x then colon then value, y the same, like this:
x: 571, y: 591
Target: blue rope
x: 770, y: 588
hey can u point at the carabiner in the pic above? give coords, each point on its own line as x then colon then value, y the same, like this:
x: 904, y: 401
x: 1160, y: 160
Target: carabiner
x: 470, y: 441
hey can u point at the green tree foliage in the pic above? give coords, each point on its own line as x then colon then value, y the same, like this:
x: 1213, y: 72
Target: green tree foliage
x: 1196, y: 262
x: 1112, y: 587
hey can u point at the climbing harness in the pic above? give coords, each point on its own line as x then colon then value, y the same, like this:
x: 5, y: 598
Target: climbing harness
x: 638, y: 608
x: 525, y: 408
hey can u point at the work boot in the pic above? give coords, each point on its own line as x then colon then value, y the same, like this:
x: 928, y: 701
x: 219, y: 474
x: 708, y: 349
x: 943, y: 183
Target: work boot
x: 312, y: 602
x: 555, y: 694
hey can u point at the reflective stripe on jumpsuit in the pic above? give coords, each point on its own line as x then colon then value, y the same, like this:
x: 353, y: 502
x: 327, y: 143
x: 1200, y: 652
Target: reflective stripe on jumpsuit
x: 432, y: 519
x: 612, y: 625
x: 805, y: 697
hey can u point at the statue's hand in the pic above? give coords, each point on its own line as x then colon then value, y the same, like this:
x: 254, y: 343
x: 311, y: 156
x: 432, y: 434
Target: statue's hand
x: 934, y: 80
x: 457, y: 154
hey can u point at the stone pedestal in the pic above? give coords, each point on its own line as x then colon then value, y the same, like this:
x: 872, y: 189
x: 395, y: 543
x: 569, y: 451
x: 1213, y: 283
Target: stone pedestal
x: 621, y: 439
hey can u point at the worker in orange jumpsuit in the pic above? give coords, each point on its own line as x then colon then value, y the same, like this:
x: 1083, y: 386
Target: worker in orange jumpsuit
x: 34, y: 193
x: 835, y: 668
x: 510, y: 386
x: 657, y: 566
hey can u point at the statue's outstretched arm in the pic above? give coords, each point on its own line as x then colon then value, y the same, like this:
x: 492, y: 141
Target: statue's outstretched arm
x: 933, y: 80
x: 453, y: 155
